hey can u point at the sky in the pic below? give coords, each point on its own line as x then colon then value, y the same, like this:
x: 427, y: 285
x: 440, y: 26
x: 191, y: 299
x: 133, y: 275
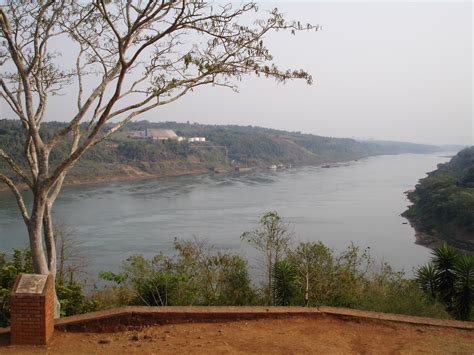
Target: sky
x: 382, y: 70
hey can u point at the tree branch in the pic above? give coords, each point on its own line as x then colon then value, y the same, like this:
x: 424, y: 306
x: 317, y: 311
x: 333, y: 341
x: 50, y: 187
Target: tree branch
x: 15, y: 167
x: 19, y: 198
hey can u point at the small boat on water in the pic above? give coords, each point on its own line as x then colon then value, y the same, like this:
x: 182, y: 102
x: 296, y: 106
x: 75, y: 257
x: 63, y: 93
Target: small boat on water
x: 326, y: 166
x: 279, y: 167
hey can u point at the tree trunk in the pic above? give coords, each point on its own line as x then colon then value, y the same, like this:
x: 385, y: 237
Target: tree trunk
x: 270, y: 274
x: 49, y: 239
x: 50, y: 243
x: 306, y: 293
x: 35, y: 231
x: 41, y: 222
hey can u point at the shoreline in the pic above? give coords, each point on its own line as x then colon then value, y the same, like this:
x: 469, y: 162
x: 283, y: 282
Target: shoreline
x: 422, y: 237
x: 117, y: 178
x: 130, y: 173
x: 428, y: 240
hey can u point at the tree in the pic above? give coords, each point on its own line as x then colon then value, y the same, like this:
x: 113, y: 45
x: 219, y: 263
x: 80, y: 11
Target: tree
x: 198, y: 275
x: 315, y: 270
x: 132, y: 57
x: 271, y: 238
x: 71, y: 261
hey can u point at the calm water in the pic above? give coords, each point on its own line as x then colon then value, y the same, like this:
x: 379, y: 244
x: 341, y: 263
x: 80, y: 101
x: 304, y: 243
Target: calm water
x: 360, y: 201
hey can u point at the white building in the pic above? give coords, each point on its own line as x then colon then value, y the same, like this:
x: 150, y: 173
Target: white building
x: 196, y: 139
x: 157, y: 134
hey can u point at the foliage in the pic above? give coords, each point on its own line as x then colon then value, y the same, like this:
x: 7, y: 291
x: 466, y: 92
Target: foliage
x: 72, y: 299
x: 284, y: 276
x: 463, y: 297
x: 196, y: 275
x: 351, y: 279
x: 444, y: 261
x: 271, y: 239
x: 449, y: 278
x: 443, y: 202
x: 19, y: 263
x: 426, y: 278
x: 315, y: 268
x: 70, y: 294
x: 309, y: 274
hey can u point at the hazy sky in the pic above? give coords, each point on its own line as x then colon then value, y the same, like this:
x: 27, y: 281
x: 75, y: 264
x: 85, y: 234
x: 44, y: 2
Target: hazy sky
x: 400, y: 71
x: 385, y: 70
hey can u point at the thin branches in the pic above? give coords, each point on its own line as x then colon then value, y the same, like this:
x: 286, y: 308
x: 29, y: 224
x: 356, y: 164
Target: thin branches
x: 127, y: 57
x: 18, y: 197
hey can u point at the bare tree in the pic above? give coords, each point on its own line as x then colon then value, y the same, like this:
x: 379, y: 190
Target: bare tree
x: 132, y: 56
x: 71, y: 260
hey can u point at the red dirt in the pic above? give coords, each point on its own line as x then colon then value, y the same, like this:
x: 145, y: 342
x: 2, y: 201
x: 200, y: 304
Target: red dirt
x: 326, y: 334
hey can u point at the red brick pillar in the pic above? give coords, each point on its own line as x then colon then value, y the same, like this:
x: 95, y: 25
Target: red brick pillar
x: 32, y: 310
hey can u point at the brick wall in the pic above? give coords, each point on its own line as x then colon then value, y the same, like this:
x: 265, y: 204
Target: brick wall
x: 32, y: 316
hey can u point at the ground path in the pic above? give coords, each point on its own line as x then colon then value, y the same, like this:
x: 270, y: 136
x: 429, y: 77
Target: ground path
x: 273, y: 336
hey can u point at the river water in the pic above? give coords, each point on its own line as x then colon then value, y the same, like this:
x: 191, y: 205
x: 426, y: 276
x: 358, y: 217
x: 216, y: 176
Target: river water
x: 358, y: 202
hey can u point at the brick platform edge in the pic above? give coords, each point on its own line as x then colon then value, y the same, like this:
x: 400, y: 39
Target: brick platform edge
x: 125, y: 318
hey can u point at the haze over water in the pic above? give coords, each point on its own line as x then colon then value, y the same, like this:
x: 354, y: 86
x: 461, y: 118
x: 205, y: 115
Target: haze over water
x: 359, y: 201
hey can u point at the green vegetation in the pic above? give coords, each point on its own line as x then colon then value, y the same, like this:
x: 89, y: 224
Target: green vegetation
x: 270, y: 239
x: 70, y: 292
x: 295, y: 274
x: 196, y: 275
x: 122, y: 156
x: 443, y: 202
x: 449, y: 278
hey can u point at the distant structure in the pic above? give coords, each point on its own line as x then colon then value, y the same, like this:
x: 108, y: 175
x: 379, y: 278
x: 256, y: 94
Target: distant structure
x: 196, y: 139
x: 161, y: 134
x: 164, y: 134
x: 157, y: 134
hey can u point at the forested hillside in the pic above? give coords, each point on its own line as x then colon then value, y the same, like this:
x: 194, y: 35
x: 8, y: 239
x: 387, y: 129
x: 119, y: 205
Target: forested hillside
x: 443, y: 202
x: 226, y: 146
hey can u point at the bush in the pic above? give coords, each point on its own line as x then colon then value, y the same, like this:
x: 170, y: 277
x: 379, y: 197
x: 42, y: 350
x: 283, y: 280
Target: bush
x: 9, y: 270
x: 72, y: 299
x: 70, y: 294
x: 197, y: 275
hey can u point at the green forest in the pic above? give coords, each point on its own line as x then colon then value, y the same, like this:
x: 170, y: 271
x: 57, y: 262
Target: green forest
x: 225, y: 147
x: 443, y: 202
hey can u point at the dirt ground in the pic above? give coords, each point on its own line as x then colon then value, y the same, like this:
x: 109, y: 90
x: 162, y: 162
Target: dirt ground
x: 276, y: 336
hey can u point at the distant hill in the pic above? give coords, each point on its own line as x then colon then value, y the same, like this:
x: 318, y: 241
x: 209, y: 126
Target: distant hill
x: 123, y: 157
x: 443, y: 202
x: 405, y: 147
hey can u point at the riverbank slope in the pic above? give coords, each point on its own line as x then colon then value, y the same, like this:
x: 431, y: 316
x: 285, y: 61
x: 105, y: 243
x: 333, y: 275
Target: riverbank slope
x: 443, y: 204
x: 125, y: 157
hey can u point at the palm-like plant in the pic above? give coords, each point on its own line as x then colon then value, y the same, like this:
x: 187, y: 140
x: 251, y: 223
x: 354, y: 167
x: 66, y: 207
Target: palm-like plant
x: 426, y: 277
x: 449, y: 278
x: 444, y: 261
x: 284, y: 275
x: 463, y: 287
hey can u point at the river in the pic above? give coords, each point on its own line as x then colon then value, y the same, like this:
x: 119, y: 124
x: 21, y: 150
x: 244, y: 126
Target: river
x: 358, y: 202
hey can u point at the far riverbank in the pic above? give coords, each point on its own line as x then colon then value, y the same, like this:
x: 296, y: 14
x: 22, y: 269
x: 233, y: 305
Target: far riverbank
x: 130, y: 173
